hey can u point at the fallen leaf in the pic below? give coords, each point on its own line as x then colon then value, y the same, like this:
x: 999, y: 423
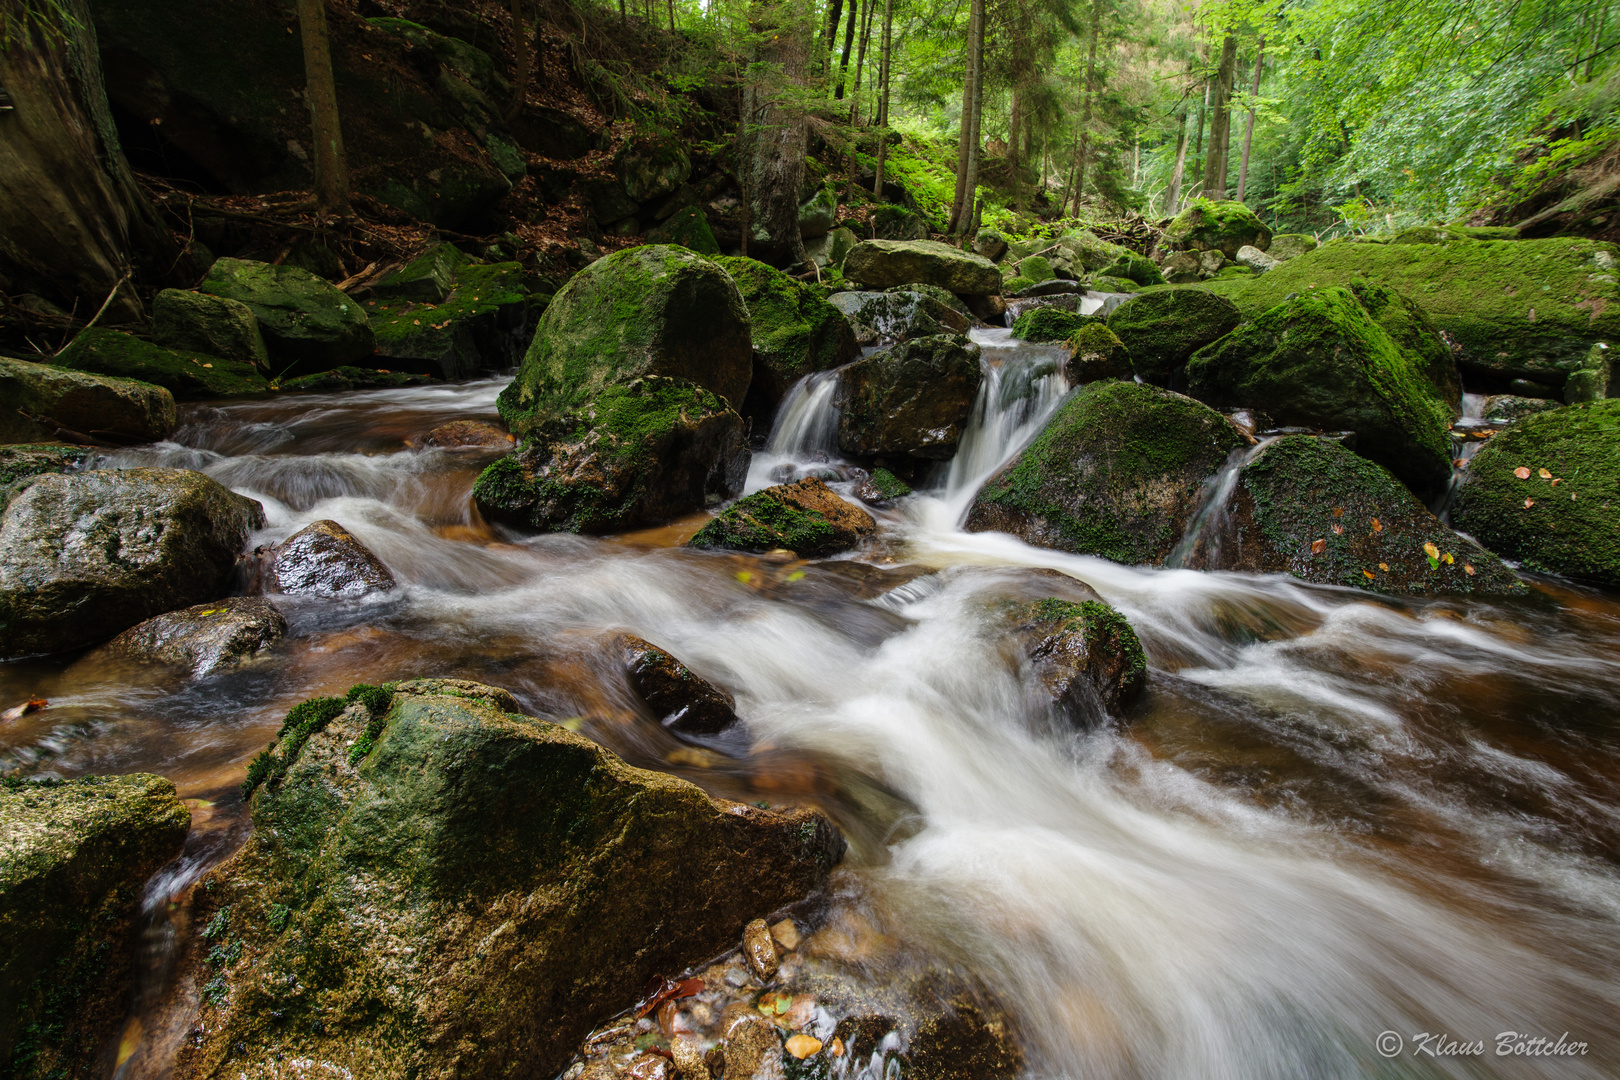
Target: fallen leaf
x: 1544, y: 474
x: 1432, y: 551
x: 1461, y: 463
x: 208, y: 365
x: 660, y: 990
x: 1384, y: 566
x: 416, y: 322
x: 802, y: 1046
x: 32, y: 705
x: 1338, y: 511
x: 1528, y: 503
x: 1318, y: 546
x: 1448, y: 558
x: 1558, y: 481
x: 1377, y: 525
x: 1522, y: 472
x: 837, y: 1047
x: 1468, y: 569
x: 1370, y: 575
x: 1338, y: 530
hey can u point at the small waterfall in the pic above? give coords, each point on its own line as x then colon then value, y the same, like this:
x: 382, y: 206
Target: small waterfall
x: 805, y: 431
x: 1210, y: 515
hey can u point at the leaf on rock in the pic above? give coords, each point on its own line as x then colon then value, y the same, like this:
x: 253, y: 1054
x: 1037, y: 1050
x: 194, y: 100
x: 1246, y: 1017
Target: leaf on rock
x: 1338, y: 530
x: 1370, y: 575
x: 1318, y: 546
x: 1522, y: 472
x: 1430, y: 550
x: 1528, y: 503
x: 1377, y: 526
x: 802, y: 1046
x: 1468, y: 569
x: 32, y: 705
x: 1544, y: 474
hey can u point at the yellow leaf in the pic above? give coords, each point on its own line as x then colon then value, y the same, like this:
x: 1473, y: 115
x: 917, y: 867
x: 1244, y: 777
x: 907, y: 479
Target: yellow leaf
x: 1468, y: 569
x: 1378, y: 526
x: 1431, y: 551
x: 1447, y: 558
x: 1384, y: 566
x: 1370, y: 575
x: 802, y: 1046
x: 1544, y: 474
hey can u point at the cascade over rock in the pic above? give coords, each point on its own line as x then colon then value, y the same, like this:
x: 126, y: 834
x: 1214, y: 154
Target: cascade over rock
x: 794, y: 331
x: 915, y: 398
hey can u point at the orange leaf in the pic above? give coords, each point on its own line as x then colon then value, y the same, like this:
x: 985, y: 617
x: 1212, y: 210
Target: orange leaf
x: 1461, y: 463
x: 1448, y: 558
x: 1468, y: 569
x: 1558, y: 481
x: 1384, y: 566
x: 1318, y: 546
x: 1338, y: 511
x: 1377, y: 525
x: 1370, y: 575
x: 1522, y: 472
x: 1528, y: 503
x: 1544, y: 474
x: 1431, y: 551
x: 802, y: 1046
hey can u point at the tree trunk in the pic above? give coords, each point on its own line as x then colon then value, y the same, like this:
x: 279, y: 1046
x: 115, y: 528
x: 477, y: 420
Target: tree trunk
x: 73, y: 222
x: 966, y: 153
x: 1172, y: 194
x: 779, y: 137
x: 1085, y: 109
x: 883, y: 99
x: 975, y: 145
x: 1248, y: 125
x: 829, y: 41
x: 1220, y: 123
x: 320, y: 91
x: 849, y: 41
x: 522, y: 61
x: 860, y: 59
x: 1014, y: 151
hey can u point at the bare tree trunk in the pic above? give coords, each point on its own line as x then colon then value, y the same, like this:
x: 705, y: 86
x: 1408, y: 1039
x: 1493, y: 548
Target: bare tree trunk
x: 1220, y: 123
x: 975, y: 146
x: 826, y: 45
x: 73, y: 222
x: 522, y: 61
x: 779, y: 139
x: 1172, y: 194
x: 860, y: 59
x: 883, y: 99
x: 1248, y: 125
x: 1085, y: 109
x: 962, y: 203
x: 331, y: 168
x: 1014, y: 153
x: 849, y: 42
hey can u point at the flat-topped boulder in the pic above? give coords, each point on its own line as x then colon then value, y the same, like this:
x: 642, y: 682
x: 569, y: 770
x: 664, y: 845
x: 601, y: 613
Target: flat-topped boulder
x: 806, y: 517
x: 305, y: 319
x: 45, y: 402
x: 883, y: 264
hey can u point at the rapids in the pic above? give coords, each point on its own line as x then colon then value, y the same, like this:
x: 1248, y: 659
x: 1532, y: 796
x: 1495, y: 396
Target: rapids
x: 1333, y: 815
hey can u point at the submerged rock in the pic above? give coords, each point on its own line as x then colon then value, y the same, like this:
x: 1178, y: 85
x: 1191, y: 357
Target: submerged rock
x: 638, y: 454
x: 45, y: 402
x: 682, y: 701
x: 88, y: 554
x: 1562, y: 515
x: 1161, y: 330
x: 74, y: 856
x: 189, y: 376
x: 1309, y: 507
x: 883, y: 264
x: 305, y: 320
x: 441, y: 884
x: 1116, y: 473
x: 205, y: 638
x: 887, y: 318
x: 1217, y: 226
x: 806, y: 518
x: 794, y: 331
x: 324, y: 559
x: 200, y: 323
x: 1085, y: 654
x: 463, y: 435
x: 915, y: 398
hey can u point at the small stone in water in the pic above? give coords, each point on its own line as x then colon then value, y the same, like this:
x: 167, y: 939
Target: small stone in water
x: 748, y: 1044
x: 688, y: 1059
x: 736, y: 976
x: 760, y: 949
x: 802, y: 1046
x: 786, y: 935
x: 648, y: 1067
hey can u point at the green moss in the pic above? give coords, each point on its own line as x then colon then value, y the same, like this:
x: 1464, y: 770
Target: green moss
x: 1015, y: 284
x: 187, y: 375
x: 478, y: 289
x: 1036, y: 268
x: 689, y: 228
x: 1163, y: 328
x: 1097, y: 353
x: 1048, y: 323
x: 889, y: 485
x: 353, y: 378
x: 376, y: 699
x: 794, y: 331
x: 1134, y: 267
x: 1217, y: 226
x: 763, y: 524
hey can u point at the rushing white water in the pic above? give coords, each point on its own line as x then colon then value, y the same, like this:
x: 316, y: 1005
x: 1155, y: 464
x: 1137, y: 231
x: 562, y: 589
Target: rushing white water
x: 1210, y: 513
x: 805, y: 433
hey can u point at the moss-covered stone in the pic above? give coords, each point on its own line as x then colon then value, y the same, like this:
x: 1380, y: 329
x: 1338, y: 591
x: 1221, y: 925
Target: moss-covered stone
x: 1567, y: 523
x: 1593, y: 380
x: 1162, y: 329
x: 1036, y: 268
x: 1319, y: 360
x: 1217, y: 226
x: 473, y: 895
x: 795, y: 332
x: 477, y: 327
x: 804, y: 517
x: 944, y: 296
x: 73, y: 859
x: 1086, y: 252
x: 188, y: 376
x: 18, y: 463
x: 430, y: 276
x: 1412, y: 332
x: 199, y: 323
x: 1528, y: 309
x: 1085, y: 654
x: 915, y: 398
x: 1310, y: 508
x: 307, y: 322
x: 883, y: 264
x: 44, y: 401
x: 353, y: 378
x: 1107, y: 284
x: 1453, y: 234
x: 640, y: 453
x: 1015, y: 284
x: 1049, y: 323
x: 655, y: 310
x: 1135, y: 268
x: 896, y: 315
x: 689, y: 228
x: 1096, y: 353
x: 1285, y: 246
x: 1506, y: 408
x: 1116, y: 473
x: 887, y: 485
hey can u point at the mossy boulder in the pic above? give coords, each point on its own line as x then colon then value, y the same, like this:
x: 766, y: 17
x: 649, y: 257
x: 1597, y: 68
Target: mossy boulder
x: 1410, y: 329
x: 1048, y: 322
x: 1116, y: 473
x: 1085, y: 252
x: 881, y: 488
x: 1105, y: 283
x: 1217, y: 226
x: 1593, y: 380
x: 341, y: 379
x: 944, y: 296
x: 1309, y: 507
x: 478, y: 326
x: 639, y: 453
x: 898, y: 223
x: 85, y: 555
x: 887, y: 318
x: 655, y: 310
x: 1036, y: 268
x: 1015, y: 285
x: 1162, y: 329
x: 1134, y: 268
x: 307, y: 322
x: 1085, y: 655
x: 1096, y: 353
x: 198, y: 323
x: 74, y: 857
x: 915, y: 398
x: 20, y: 462
x: 883, y: 264
x: 430, y: 276
x: 1453, y: 234
x: 1528, y: 309
x: 1566, y: 522
x: 804, y: 517
x: 818, y: 214
x: 1319, y: 360
x: 188, y: 376
x: 1285, y: 246
x: 795, y: 332
x: 439, y: 884
x: 44, y: 402
x: 687, y: 227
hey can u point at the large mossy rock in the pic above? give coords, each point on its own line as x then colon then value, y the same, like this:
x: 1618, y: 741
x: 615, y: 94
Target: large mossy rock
x: 440, y: 885
x: 73, y: 859
x: 1095, y: 352
x: 21, y: 461
x: 1566, y: 523
x: 1162, y: 329
x: 1410, y: 329
x: 689, y: 228
x: 1217, y: 226
x: 1319, y: 360
x: 1529, y: 309
x: 915, y: 398
x: 199, y: 323
x: 189, y: 376
x: 883, y: 264
x: 1309, y: 507
x: 653, y: 310
x: 806, y: 517
x: 43, y: 402
x: 795, y: 332
x: 1049, y: 323
x: 887, y: 318
x: 1116, y: 473
x: 638, y: 454
x: 306, y: 321
x: 1083, y: 252
x: 450, y: 318
x: 85, y: 555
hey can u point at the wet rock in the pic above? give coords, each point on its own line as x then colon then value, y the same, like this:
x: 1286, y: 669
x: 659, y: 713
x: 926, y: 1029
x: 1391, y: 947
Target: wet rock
x: 682, y: 701
x: 965, y: 1043
x: 915, y: 398
x: 1116, y: 473
x: 881, y: 487
x: 1506, y: 408
x: 1161, y: 330
x: 324, y: 559
x: 1285, y: 246
x: 1307, y: 507
x: 463, y: 435
x: 1217, y: 226
x: 19, y: 462
x: 688, y: 1059
x: 752, y: 1044
x: 1564, y: 521
x: 305, y: 320
x: 205, y: 638
x: 793, y: 330
x: 478, y: 325
x: 1319, y: 360
x: 346, y: 378
x: 88, y: 554
x: 473, y: 870
x: 1049, y: 323
x: 1055, y: 287
x: 1085, y: 654
x: 805, y: 517
x: 199, y: 323
x: 760, y: 949
x: 189, y: 376
x: 656, y: 310
x: 1096, y: 353
x: 883, y: 264
x: 640, y: 453
x: 45, y: 402
x: 1255, y: 259
x: 73, y: 859
x: 689, y: 228
x: 887, y: 318
x: 786, y: 934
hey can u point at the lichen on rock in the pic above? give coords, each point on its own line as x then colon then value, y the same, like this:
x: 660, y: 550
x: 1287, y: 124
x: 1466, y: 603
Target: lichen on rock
x: 805, y: 517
